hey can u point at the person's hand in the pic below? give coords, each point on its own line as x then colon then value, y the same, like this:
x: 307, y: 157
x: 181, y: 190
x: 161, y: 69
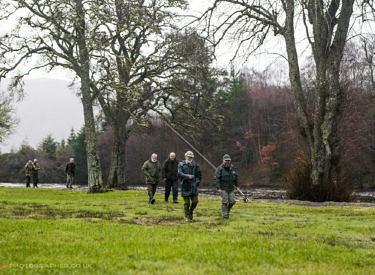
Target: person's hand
x: 219, y: 191
x: 191, y: 176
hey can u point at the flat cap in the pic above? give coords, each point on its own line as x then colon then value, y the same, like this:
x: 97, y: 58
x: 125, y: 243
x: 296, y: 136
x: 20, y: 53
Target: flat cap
x: 226, y: 157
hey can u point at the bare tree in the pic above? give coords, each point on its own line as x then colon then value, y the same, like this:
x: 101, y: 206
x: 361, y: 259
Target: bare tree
x: 133, y: 63
x: 190, y: 101
x: 368, y: 46
x: 57, y: 32
x: 7, y: 120
x: 326, y: 25
x: 140, y: 57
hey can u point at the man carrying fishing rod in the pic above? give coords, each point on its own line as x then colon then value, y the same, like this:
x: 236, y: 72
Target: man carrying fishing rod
x: 226, y: 179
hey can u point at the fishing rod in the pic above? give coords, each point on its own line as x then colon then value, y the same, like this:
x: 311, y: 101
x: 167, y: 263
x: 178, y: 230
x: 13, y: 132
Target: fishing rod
x: 191, y: 145
x: 245, y: 198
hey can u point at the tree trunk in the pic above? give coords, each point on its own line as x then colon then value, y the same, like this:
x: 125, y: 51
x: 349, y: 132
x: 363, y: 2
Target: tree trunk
x: 117, y: 175
x: 320, y: 131
x: 299, y: 101
x: 118, y: 119
x: 95, y: 178
x: 325, y: 154
x: 328, y: 52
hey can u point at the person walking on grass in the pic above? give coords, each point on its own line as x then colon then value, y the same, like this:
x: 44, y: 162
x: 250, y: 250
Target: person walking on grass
x: 28, y: 172
x: 226, y: 179
x: 190, y: 177
x: 34, y: 172
x: 152, y: 171
x: 170, y: 176
x: 70, y: 170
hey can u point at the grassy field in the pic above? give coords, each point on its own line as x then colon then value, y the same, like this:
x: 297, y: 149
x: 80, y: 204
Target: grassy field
x: 56, y: 231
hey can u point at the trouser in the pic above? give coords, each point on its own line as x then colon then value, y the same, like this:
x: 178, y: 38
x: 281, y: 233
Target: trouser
x: 189, y: 206
x: 69, y: 181
x: 35, y: 180
x: 151, y: 189
x: 171, y: 184
x: 227, y: 202
x: 28, y: 180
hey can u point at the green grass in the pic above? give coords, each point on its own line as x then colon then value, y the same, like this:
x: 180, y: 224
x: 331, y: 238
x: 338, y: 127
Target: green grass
x: 56, y: 231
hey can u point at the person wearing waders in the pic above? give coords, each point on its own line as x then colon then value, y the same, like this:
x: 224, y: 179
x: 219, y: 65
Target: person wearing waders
x: 190, y: 177
x: 226, y: 179
x: 152, y: 171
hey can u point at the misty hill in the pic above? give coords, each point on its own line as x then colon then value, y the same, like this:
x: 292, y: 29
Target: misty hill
x: 49, y: 107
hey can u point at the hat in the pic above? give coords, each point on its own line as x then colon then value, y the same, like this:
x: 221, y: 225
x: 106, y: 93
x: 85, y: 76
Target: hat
x: 189, y: 154
x: 226, y: 157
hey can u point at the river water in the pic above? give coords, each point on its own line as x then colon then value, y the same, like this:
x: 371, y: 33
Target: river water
x: 265, y: 194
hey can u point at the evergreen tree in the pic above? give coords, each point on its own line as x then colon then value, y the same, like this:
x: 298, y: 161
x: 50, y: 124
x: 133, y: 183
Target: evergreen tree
x: 49, y: 146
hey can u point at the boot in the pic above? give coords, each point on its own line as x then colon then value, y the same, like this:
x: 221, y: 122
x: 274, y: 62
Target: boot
x: 150, y: 197
x: 225, y: 211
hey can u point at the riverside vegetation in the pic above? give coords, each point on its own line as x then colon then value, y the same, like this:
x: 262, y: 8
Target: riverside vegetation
x: 57, y: 231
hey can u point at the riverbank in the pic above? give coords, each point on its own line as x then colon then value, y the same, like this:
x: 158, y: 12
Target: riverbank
x: 265, y: 194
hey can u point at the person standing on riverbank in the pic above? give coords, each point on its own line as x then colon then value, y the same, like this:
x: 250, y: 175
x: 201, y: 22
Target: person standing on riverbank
x: 226, y: 179
x: 35, y: 172
x: 70, y: 170
x: 28, y: 172
x: 151, y: 170
x: 190, y: 177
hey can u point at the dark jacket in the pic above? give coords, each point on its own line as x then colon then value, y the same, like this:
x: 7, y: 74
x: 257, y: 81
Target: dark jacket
x: 170, y: 169
x: 226, y: 178
x: 151, y: 171
x: 189, y: 187
x: 70, y: 169
x: 36, y: 168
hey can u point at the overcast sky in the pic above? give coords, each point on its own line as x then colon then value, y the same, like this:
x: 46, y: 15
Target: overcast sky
x: 50, y: 107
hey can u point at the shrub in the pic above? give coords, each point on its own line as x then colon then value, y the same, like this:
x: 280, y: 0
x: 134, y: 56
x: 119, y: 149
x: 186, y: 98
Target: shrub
x: 299, y: 186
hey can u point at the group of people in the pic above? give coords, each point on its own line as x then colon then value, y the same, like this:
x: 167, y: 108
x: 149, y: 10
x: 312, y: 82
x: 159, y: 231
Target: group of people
x: 32, y: 172
x: 189, y: 175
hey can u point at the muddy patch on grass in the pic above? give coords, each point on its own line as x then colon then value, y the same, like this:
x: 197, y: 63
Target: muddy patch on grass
x: 97, y: 215
x: 265, y: 233
x: 153, y: 221
x: 43, y: 212
x: 141, y: 213
x: 35, y: 205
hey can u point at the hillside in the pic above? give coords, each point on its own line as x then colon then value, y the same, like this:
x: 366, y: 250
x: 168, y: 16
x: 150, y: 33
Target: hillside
x: 49, y: 107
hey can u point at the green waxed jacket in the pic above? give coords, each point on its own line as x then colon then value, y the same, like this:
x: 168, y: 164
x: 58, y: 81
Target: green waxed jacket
x: 28, y: 169
x: 36, y: 168
x: 152, y: 172
x: 189, y: 187
x: 226, y: 178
